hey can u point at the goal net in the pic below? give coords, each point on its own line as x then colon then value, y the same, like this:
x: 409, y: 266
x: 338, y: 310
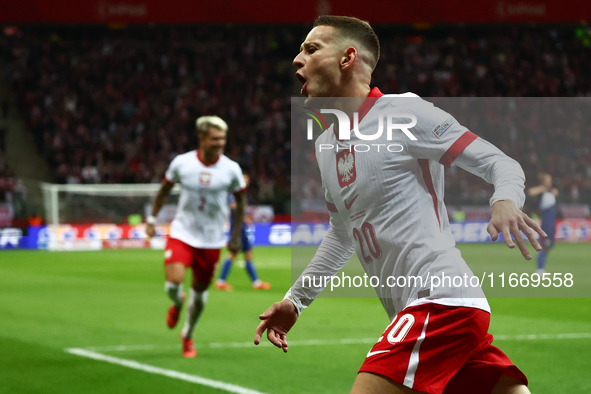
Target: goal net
x: 104, y: 203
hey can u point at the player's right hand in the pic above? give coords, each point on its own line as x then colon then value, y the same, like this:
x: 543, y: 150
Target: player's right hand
x: 506, y: 219
x: 235, y: 245
x: 277, y: 320
x: 150, y: 230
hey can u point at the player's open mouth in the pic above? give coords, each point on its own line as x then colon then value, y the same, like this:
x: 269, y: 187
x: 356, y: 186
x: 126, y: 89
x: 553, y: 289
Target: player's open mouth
x: 303, y: 91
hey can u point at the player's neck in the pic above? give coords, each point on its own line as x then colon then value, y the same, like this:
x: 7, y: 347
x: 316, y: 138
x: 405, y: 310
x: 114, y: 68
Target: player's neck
x: 360, y: 90
x: 352, y: 98
x: 207, y: 158
x: 352, y: 89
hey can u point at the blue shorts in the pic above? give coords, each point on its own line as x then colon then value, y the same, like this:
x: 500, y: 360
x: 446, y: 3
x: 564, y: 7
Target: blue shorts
x: 550, y: 229
x: 547, y: 243
x: 246, y: 244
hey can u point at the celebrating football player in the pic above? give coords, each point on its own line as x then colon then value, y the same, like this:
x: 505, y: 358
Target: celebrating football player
x: 388, y: 208
x: 196, y: 234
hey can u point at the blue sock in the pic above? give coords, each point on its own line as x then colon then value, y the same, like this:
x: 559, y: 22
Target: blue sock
x: 252, y: 272
x: 542, y: 257
x: 225, y: 269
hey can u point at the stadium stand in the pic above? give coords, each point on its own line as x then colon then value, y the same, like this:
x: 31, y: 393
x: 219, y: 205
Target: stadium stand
x: 115, y: 106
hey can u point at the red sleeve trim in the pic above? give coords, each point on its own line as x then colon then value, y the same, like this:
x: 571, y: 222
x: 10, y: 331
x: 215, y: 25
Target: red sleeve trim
x: 331, y: 207
x: 424, y: 164
x: 167, y: 180
x: 241, y: 190
x: 456, y: 148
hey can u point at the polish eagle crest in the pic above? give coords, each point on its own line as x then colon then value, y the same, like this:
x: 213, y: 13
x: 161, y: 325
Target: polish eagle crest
x: 345, y: 167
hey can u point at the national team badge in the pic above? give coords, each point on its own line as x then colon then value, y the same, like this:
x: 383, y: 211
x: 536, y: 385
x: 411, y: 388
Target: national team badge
x: 205, y: 178
x: 346, y: 167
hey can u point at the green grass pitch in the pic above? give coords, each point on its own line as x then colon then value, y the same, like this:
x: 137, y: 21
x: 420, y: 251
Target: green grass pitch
x: 50, y: 301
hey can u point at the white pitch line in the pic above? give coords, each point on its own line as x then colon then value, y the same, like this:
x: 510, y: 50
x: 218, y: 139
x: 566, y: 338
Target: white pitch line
x: 123, y: 348
x: 324, y: 342
x: 231, y: 388
x: 228, y: 345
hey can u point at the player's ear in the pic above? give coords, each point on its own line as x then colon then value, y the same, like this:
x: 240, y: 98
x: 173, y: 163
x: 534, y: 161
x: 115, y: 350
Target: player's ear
x: 348, y: 58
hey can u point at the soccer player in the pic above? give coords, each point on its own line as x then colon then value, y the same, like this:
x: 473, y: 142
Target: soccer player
x: 547, y: 205
x: 196, y: 233
x: 388, y: 208
x: 257, y: 284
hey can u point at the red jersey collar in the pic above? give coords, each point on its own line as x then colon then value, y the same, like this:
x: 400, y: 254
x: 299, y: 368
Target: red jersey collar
x: 369, y: 102
x: 202, y: 162
x: 372, y: 97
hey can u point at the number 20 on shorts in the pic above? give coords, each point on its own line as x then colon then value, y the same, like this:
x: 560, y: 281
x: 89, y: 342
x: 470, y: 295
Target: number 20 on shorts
x: 397, y: 333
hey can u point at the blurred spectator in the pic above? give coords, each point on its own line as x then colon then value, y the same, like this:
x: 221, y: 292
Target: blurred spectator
x: 12, y: 190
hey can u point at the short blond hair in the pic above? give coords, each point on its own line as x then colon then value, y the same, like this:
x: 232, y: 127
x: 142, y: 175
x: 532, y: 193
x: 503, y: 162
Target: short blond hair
x: 203, y: 124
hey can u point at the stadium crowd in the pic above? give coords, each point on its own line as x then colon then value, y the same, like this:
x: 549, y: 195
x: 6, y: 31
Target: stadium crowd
x: 118, y: 105
x: 13, y: 193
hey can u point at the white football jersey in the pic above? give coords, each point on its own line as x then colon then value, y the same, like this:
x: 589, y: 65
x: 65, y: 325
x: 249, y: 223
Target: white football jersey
x: 387, y: 204
x: 203, y: 203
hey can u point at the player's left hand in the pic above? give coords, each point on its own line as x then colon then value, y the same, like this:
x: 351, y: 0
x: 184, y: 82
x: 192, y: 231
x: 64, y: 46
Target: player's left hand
x: 508, y: 220
x: 277, y: 320
x: 235, y: 245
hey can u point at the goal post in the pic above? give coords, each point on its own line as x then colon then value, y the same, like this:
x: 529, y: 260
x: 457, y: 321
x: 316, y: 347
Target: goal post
x: 101, y: 203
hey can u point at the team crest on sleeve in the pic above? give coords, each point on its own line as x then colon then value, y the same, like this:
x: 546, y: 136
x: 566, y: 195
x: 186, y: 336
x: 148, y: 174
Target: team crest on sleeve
x: 205, y: 178
x: 346, y: 167
x: 443, y: 127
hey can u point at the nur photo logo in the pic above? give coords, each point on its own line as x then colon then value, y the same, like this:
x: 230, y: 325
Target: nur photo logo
x: 346, y: 126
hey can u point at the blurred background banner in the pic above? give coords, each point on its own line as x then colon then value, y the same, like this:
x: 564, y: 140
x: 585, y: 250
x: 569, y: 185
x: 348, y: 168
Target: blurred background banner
x: 262, y: 234
x: 269, y: 11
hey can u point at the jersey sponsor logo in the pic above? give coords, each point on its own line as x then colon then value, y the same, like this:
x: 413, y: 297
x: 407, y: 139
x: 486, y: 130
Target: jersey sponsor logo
x: 443, y: 127
x: 205, y: 178
x: 350, y: 204
x: 370, y: 353
x: 346, y: 167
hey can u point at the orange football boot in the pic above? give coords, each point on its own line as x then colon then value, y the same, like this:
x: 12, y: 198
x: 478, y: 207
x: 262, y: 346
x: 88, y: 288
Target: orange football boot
x: 223, y: 285
x: 188, y: 347
x: 172, y: 317
x: 260, y: 285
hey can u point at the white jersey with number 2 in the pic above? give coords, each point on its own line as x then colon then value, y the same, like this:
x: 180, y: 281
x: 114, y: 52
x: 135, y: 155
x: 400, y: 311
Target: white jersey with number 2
x: 203, y: 203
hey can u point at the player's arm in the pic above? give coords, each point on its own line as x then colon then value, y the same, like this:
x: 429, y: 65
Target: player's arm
x: 483, y: 159
x: 441, y: 138
x: 536, y: 190
x: 163, y: 193
x: 235, y: 243
x: 555, y: 192
x: 334, y: 251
